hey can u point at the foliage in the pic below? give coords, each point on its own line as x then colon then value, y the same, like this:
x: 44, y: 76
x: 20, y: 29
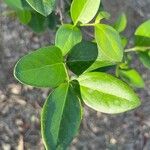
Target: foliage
x: 76, y: 69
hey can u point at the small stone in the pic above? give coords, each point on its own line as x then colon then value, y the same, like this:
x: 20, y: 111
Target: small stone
x: 15, y: 89
x: 6, y: 146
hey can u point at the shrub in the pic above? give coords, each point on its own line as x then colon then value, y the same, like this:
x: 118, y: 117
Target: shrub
x: 77, y: 69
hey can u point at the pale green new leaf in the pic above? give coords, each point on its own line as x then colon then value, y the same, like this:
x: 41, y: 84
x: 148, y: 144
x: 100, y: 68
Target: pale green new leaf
x: 109, y: 43
x: 121, y: 23
x: 42, y: 68
x: 66, y: 37
x: 84, y: 10
x: 142, y: 34
x: 61, y: 118
x: 107, y: 94
x: 132, y: 77
x: 44, y: 7
x: 102, y: 15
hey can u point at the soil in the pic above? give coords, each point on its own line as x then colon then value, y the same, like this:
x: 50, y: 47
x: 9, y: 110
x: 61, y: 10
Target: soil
x: 20, y: 105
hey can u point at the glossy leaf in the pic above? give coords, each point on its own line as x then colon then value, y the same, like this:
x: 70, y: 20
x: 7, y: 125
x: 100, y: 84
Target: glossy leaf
x: 121, y: 23
x: 66, y: 37
x: 82, y: 56
x: 132, y: 77
x: 107, y: 94
x: 42, y: 68
x: 100, y: 62
x: 142, y: 34
x: 24, y: 16
x: 109, y: 43
x: 84, y: 10
x: 38, y: 23
x: 44, y: 7
x: 61, y: 117
x: 145, y: 58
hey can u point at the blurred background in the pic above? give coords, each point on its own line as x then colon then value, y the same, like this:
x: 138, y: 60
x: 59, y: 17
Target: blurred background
x: 20, y: 105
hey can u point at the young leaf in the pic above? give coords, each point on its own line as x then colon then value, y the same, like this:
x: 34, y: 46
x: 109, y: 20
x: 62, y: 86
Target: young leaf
x: 61, y: 117
x: 44, y: 7
x: 24, y: 16
x: 121, y: 23
x: 42, y: 68
x: 82, y: 56
x: 142, y: 34
x: 132, y: 77
x: 145, y: 58
x: 102, y: 15
x: 38, y: 23
x: 66, y: 37
x: 109, y: 42
x: 106, y: 93
x: 84, y: 10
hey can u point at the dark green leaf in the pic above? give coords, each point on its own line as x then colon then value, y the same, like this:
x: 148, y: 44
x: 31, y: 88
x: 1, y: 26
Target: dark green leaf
x: 142, y: 34
x: 44, y: 7
x: 61, y: 117
x: 109, y: 43
x: 132, y: 77
x: 42, y: 68
x: 38, y: 23
x: 106, y: 93
x: 53, y: 21
x: 121, y: 23
x: 66, y: 37
x: 145, y: 58
x: 82, y: 56
x: 84, y: 10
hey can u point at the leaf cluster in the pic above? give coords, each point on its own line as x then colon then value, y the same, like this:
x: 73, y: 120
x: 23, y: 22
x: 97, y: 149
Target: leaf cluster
x: 76, y: 69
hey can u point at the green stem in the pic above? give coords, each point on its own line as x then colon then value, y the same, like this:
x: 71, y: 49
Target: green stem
x: 88, y: 24
x: 138, y: 48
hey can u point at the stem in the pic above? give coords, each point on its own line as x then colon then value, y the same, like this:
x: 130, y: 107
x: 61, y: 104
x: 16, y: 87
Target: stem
x: 88, y: 24
x: 137, y: 48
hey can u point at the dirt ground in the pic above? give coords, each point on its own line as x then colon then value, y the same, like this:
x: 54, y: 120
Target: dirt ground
x: 20, y: 105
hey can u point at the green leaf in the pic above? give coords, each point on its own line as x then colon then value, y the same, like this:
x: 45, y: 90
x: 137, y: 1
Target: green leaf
x: 84, y: 10
x: 145, y: 58
x: 24, y: 16
x: 14, y: 4
x: 66, y: 37
x: 82, y: 56
x: 42, y: 68
x: 44, y: 7
x: 106, y: 93
x: 121, y: 23
x: 132, y: 77
x: 142, y: 34
x: 109, y: 43
x: 53, y: 21
x: 61, y: 117
x: 38, y: 23
x: 102, y: 15
x: 124, y: 41
x: 100, y: 62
